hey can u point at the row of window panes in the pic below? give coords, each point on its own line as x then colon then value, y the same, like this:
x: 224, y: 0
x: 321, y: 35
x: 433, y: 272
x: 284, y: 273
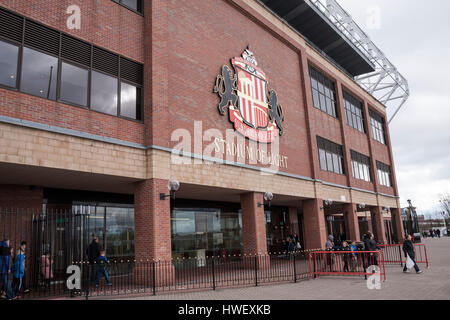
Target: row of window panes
x: 377, y: 130
x: 39, y: 77
x: 354, y: 114
x: 331, y: 162
x: 361, y: 171
x: 384, y: 178
x: 323, y: 92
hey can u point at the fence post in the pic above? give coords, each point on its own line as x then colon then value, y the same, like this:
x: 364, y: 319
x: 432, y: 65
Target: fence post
x: 153, y: 278
x: 213, y: 275
x: 365, y: 258
x: 256, y: 270
x: 295, y: 270
x: 86, y: 280
x: 400, y: 254
x: 315, y: 267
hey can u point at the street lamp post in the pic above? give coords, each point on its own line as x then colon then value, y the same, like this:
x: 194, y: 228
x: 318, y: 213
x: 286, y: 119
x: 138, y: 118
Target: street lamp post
x: 413, y: 218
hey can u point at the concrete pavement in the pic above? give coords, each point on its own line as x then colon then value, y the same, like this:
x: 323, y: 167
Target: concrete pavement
x: 433, y: 284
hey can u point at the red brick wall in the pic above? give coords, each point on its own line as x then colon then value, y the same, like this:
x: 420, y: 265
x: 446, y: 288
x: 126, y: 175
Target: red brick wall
x: 182, y: 61
x: 18, y: 197
x: 253, y: 224
x: 152, y: 221
x: 315, y: 230
x: 103, y: 22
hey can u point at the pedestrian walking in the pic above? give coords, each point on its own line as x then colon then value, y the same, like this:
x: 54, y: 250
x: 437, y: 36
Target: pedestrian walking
x: 102, y: 271
x: 329, y: 245
x: 19, y: 270
x: 408, y: 249
x: 47, y: 268
x: 93, y: 252
x: 5, y: 268
x: 354, y: 256
x: 346, y: 256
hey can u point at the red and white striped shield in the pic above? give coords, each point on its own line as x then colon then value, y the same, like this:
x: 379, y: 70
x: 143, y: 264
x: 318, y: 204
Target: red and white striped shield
x: 253, y: 99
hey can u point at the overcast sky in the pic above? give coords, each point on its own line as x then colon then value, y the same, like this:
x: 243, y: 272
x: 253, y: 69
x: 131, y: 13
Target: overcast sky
x: 415, y: 36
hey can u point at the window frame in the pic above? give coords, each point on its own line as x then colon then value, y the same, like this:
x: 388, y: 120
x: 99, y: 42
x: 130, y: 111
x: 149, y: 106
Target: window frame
x: 353, y: 106
x: 90, y: 68
x: 316, y: 76
x: 81, y: 66
x: 361, y: 166
x: 19, y: 88
x: 384, y: 173
x: 19, y: 63
x: 334, y: 152
x: 378, y: 127
x: 119, y: 2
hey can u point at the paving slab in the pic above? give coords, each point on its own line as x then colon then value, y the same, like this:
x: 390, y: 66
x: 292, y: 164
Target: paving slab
x: 433, y: 284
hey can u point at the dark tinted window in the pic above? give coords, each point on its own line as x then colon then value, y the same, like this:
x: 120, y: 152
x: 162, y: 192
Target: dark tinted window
x: 377, y: 124
x: 354, y: 112
x: 135, y: 5
x: 129, y: 101
x: 39, y: 74
x: 74, y: 84
x: 384, y: 174
x: 331, y: 156
x: 360, y: 166
x: 104, y: 93
x: 8, y: 64
x: 323, y: 92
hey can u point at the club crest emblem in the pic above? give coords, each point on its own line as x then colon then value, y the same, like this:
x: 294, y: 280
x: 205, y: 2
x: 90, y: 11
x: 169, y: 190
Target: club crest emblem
x: 253, y: 108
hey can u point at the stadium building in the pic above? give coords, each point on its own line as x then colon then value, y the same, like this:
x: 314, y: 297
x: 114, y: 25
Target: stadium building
x: 193, y: 128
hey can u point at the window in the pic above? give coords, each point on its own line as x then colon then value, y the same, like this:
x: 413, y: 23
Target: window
x: 39, y: 74
x: 377, y: 124
x: 384, y: 174
x: 52, y: 60
x: 354, y: 112
x: 74, y: 84
x: 104, y: 93
x: 130, y: 101
x: 9, y: 55
x: 200, y: 232
x: 135, y: 5
x: 331, y: 156
x: 360, y: 166
x: 323, y: 92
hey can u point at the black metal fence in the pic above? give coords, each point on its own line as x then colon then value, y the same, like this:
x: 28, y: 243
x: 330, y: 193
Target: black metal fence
x: 57, y: 239
x: 153, y: 277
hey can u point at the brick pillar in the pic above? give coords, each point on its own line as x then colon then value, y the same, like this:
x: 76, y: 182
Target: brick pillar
x: 314, y: 224
x: 378, y: 223
x: 253, y: 223
x: 152, y: 232
x: 351, y: 222
x: 398, y: 224
x: 293, y: 219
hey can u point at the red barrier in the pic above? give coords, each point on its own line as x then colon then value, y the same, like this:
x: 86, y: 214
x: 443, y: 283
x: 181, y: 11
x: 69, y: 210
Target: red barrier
x: 394, y: 253
x: 346, y: 263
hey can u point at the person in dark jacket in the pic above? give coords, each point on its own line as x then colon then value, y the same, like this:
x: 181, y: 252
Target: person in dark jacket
x: 5, y: 268
x: 346, y: 256
x: 93, y: 252
x: 408, y: 249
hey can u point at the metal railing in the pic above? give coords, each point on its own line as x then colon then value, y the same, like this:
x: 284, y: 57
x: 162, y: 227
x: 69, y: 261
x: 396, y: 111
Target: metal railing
x: 394, y: 253
x: 347, y: 263
x: 134, y: 277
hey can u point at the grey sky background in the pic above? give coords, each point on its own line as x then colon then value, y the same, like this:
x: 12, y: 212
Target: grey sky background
x: 415, y: 36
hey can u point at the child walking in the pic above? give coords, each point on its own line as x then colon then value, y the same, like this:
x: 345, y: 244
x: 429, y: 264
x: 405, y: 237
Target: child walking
x: 102, y: 260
